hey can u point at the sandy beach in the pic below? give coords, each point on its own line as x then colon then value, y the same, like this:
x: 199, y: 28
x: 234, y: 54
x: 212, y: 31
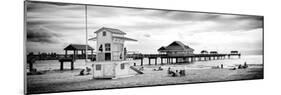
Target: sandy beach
x: 56, y: 81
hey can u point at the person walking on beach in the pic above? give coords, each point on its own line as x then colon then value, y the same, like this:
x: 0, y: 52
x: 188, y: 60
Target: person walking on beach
x: 221, y: 66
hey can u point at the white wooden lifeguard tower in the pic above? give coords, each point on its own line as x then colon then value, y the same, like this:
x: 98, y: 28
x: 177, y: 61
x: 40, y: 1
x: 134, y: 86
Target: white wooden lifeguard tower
x: 110, y: 58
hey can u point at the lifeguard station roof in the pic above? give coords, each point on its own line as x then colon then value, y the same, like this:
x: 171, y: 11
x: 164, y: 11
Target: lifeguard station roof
x: 78, y: 47
x: 118, y: 37
x: 112, y: 30
x: 124, y: 38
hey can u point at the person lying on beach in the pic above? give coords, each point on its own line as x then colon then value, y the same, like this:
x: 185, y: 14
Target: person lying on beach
x: 159, y: 69
x: 173, y: 74
x: 215, y: 67
x: 232, y: 68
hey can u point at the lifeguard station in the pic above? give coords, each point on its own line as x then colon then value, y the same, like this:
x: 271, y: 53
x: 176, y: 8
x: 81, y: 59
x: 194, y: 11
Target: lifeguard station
x: 110, y: 54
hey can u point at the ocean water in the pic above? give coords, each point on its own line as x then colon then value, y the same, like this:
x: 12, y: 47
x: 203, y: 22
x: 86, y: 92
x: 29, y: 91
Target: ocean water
x: 43, y: 65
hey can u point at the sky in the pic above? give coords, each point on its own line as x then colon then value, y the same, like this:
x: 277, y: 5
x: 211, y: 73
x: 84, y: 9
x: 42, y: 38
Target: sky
x: 52, y: 26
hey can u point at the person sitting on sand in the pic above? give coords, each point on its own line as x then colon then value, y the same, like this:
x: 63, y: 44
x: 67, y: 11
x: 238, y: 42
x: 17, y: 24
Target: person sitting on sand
x: 88, y: 70
x: 177, y: 73
x: 245, y: 65
x: 160, y: 68
x: 169, y: 71
x: 239, y: 66
x: 82, y: 72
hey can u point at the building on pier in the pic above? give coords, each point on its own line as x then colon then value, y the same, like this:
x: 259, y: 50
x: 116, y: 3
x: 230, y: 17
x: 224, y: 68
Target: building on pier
x: 233, y: 52
x: 176, y: 48
x: 213, y: 52
x: 204, y: 52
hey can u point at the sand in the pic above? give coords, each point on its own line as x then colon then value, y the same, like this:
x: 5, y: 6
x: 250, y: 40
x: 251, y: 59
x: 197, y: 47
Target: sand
x: 56, y: 81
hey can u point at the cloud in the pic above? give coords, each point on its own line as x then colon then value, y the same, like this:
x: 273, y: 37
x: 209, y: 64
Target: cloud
x: 146, y: 35
x: 41, y: 35
x: 56, y: 23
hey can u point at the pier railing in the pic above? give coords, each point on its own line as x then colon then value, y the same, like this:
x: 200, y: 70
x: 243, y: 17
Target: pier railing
x: 180, y: 58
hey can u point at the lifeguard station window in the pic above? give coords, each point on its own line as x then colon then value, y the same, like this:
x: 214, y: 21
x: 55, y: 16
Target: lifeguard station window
x: 107, y: 47
x: 122, y: 66
x: 104, y: 33
x: 98, y: 67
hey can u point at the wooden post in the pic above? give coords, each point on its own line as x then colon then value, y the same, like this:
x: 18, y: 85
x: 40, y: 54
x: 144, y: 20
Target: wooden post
x: 92, y: 54
x: 169, y: 60
x: 149, y: 61
x: 161, y: 61
x: 73, y: 57
x: 72, y: 65
x: 65, y: 54
x: 239, y: 56
x: 156, y: 61
x: 142, y: 61
x: 61, y: 65
x: 30, y: 66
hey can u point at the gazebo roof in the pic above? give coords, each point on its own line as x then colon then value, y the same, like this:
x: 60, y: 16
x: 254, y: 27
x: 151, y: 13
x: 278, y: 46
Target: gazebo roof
x: 112, y: 30
x: 161, y: 48
x: 78, y: 47
x: 176, y: 46
x: 124, y: 38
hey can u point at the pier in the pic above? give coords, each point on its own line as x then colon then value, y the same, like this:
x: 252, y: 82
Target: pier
x: 180, y: 58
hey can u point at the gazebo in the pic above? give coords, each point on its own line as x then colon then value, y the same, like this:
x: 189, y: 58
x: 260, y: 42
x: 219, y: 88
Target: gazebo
x: 176, y: 48
x: 76, y: 48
